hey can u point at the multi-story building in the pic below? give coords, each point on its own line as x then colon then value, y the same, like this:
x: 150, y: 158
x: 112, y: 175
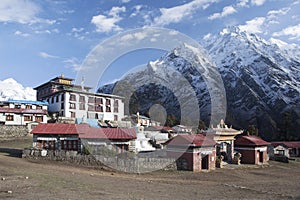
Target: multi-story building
x: 75, y: 101
x: 22, y: 112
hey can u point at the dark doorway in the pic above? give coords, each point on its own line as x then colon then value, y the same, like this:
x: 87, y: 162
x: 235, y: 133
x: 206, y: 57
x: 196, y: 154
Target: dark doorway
x: 182, y: 164
x: 204, y: 162
x: 261, y: 156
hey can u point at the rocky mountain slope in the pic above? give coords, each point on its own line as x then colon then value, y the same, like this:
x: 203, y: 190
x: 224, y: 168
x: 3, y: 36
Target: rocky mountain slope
x: 261, y: 79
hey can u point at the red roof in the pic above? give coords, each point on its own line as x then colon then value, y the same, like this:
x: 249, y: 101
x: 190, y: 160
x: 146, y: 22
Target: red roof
x: 22, y: 110
x: 85, y: 131
x: 250, y: 141
x: 55, y: 129
x: 109, y: 133
x: 196, y: 140
x: 294, y: 144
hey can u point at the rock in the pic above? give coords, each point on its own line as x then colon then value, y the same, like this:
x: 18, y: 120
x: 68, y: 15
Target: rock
x: 9, y: 192
x: 3, y: 179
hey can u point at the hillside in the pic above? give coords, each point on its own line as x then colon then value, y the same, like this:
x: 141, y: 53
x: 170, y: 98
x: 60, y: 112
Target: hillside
x: 261, y: 79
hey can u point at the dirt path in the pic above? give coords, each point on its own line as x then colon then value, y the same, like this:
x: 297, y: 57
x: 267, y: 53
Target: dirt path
x: 53, y: 180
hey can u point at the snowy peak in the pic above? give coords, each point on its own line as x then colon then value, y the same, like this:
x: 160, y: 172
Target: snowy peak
x: 11, y: 89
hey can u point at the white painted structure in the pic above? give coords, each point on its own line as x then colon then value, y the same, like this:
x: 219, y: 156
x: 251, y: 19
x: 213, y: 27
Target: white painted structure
x: 74, y: 101
x: 23, y: 112
x: 141, y: 143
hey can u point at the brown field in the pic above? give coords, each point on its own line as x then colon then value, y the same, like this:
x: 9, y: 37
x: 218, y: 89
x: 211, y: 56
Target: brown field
x: 32, y: 179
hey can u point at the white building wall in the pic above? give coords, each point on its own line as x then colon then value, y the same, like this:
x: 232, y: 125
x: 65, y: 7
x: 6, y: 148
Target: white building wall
x: 18, y: 118
x: 79, y: 113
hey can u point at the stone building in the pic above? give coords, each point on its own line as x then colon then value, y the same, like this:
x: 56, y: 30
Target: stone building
x: 194, y: 152
x: 253, y: 149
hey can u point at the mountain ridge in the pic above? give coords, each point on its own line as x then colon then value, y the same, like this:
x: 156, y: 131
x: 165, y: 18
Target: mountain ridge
x: 261, y: 79
x: 11, y: 89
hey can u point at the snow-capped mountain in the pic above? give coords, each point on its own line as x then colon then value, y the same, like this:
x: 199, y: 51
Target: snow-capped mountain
x: 261, y: 79
x: 11, y: 89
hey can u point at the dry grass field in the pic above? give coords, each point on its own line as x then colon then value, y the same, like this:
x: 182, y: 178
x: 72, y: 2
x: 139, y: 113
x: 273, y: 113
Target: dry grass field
x: 32, y: 179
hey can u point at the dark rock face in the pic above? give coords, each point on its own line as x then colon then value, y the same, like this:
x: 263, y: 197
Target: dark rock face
x: 262, y: 83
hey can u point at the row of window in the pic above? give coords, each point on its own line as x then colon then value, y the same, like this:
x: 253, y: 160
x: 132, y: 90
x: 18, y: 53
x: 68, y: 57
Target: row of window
x: 56, y: 98
x: 28, y: 118
x: 96, y: 100
x: 97, y: 108
x: 94, y: 116
x: 38, y: 107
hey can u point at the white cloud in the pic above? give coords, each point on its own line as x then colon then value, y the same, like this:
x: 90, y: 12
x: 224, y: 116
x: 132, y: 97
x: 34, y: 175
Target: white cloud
x: 137, y: 10
x: 21, y: 34
x: 105, y: 24
x: 258, y: 2
x: 20, y: 11
x: 42, y: 32
x: 254, y: 25
x: 78, y: 30
x: 178, y: 13
x: 275, y: 13
x: 228, y: 10
x: 125, y: 1
x: 116, y: 10
x: 243, y: 3
x: 46, y: 55
x: 292, y: 31
x: 73, y: 63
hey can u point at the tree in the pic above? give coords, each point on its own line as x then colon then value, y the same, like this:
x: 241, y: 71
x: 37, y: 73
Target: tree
x: 201, y: 126
x: 171, y: 120
x: 252, y: 130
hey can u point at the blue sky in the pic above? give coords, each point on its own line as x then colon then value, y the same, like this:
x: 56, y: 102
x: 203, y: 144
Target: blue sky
x: 40, y: 40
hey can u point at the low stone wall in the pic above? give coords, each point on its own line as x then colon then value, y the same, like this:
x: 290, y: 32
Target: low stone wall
x: 128, y: 164
x: 9, y: 131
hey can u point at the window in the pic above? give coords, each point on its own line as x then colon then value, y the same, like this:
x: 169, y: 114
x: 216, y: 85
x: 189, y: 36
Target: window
x: 57, y: 98
x: 91, y: 108
x: 39, y: 118
x: 115, y: 117
x: 73, y: 114
x: 62, y: 106
x: 9, y: 118
x: 72, y: 106
x: 99, y: 108
x: 72, y: 97
x: 62, y: 98
x: 91, y: 100
x: 18, y: 106
x: 81, y: 99
x: 81, y: 106
x: 116, y: 109
x: 107, y: 102
x: 116, y: 103
x: 99, y: 100
x: 108, y: 109
x: 28, y: 106
x: 27, y: 118
x: 52, y: 100
x: 39, y: 107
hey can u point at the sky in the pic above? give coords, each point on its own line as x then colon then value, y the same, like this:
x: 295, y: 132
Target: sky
x: 40, y: 40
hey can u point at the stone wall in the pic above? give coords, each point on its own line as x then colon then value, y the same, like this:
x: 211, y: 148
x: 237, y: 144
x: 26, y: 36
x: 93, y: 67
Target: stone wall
x: 127, y: 164
x: 9, y: 131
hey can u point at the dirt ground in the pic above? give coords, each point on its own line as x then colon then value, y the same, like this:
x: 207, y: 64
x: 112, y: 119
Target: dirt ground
x: 32, y: 179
